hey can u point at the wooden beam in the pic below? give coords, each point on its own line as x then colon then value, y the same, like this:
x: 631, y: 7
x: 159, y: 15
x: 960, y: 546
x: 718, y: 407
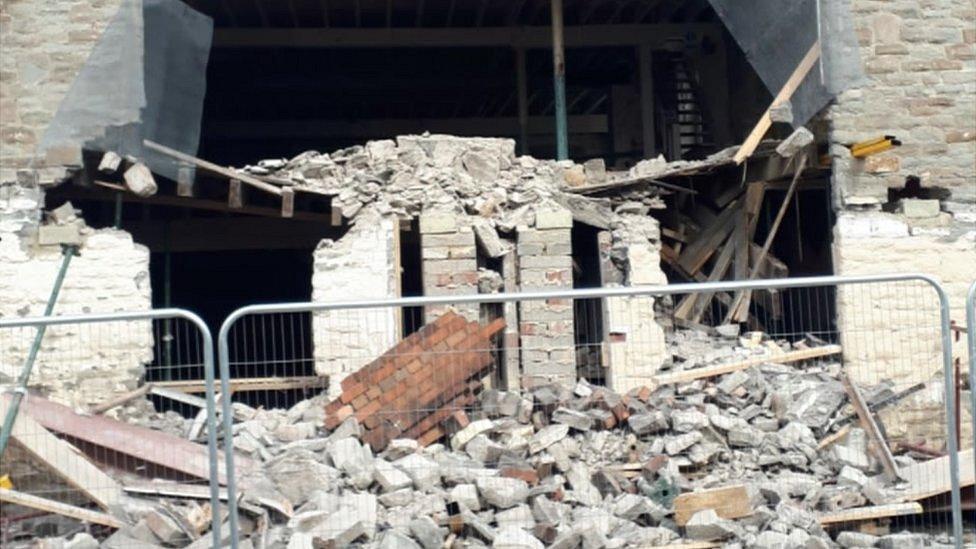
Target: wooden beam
x: 712, y: 371
x: 137, y: 442
x: 931, y: 478
x: 382, y: 127
x: 235, y: 196
x: 731, y: 502
x: 693, y: 257
x: 860, y: 514
x: 287, y: 202
x: 249, y: 384
x: 532, y: 37
x: 785, y: 93
x: 64, y: 460
x: 120, y: 400
x: 212, y: 168
x: 63, y: 509
x: 644, y: 61
x: 878, y: 443
x: 740, y: 305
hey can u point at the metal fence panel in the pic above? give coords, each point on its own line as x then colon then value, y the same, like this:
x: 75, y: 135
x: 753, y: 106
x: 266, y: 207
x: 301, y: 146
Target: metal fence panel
x: 103, y: 445
x: 602, y: 416
x: 971, y: 339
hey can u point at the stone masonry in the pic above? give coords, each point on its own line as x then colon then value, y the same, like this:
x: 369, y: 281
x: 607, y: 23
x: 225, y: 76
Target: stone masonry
x: 359, y: 265
x: 546, y: 327
x: 78, y: 364
x: 920, y: 62
x: 450, y: 265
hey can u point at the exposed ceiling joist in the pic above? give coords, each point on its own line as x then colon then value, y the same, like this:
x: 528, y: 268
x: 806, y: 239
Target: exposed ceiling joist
x: 655, y: 35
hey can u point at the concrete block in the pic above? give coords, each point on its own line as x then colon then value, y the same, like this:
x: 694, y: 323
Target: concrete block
x: 552, y: 218
x: 502, y: 492
x: 917, y: 208
x: 51, y: 235
x: 438, y: 223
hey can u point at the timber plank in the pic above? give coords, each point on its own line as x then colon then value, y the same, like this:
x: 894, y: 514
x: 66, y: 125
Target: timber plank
x: 712, y: 371
x: 50, y: 506
x: 730, y: 502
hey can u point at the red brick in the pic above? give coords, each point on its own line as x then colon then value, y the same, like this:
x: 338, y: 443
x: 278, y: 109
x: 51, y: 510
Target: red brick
x: 360, y: 402
x: 368, y: 410
x: 373, y: 392
x: 528, y: 475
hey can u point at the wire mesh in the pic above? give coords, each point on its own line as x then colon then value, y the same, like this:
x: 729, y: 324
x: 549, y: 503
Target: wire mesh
x: 971, y: 340
x: 111, y: 439
x: 621, y: 417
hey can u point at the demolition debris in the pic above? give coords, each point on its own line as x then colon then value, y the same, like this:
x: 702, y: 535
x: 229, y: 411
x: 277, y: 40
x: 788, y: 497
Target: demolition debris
x: 728, y: 449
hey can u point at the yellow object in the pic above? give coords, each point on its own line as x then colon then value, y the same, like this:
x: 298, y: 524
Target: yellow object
x: 874, y: 146
x: 5, y: 482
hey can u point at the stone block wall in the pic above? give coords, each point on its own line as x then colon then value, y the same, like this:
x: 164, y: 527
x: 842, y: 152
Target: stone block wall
x: 920, y: 63
x: 360, y: 265
x: 450, y: 263
x: 546, y: 327
x: 78, y: 365
x: 44, y: 45
x: 636, y: 344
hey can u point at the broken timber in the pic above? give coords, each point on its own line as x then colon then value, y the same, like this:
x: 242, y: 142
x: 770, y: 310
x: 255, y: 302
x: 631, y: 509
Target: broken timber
x: 64, y: 460
x: 213, y: 168
x: 242, y: 385
x: 42, y: 504
x: 784, y: 95
x: 721, y: 369
x: 931, y: 478
x: 859, y: 514
x: 731, y: 502
x: 138, y: 442
x: 870, y: 427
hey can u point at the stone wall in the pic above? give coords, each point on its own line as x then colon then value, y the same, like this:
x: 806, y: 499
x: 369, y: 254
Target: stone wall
x: 920, y: 63
x: 360, y: 265
x: 546, y: 327
x: 77, y: 364
x: 636, y: 345
x: 450, y: 263
x: 44, y: 45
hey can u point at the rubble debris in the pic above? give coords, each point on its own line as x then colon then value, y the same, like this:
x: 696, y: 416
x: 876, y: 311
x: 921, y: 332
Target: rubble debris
x: 109, y: 163
x: 728, y: 459
x: 139, y: 179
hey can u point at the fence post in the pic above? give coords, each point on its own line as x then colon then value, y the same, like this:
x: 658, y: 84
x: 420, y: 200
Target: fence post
x: 971, y: 336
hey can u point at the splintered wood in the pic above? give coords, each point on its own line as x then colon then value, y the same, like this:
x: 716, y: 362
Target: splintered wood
x: 416, y: 388
x: 730, y: 503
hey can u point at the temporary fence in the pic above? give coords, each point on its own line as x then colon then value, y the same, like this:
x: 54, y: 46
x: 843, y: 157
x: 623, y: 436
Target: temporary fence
x: 971, y: 339
x: 76, y: 452
x: 837, y: 396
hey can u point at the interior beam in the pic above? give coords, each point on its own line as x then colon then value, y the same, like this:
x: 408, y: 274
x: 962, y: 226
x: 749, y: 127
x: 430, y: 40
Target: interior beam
x: 367, y: 128
x: 585, y: 36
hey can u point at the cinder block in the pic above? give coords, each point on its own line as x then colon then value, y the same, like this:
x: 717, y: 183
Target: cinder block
x: 48, y: 235
x: 438, y: 223
x: 916, y: 208
x: 553, y: 218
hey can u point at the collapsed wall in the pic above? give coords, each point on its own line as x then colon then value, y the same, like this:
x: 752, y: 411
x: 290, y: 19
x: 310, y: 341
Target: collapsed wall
x: 78, y: 365
x: 476, y: 202
x: 359, y: 266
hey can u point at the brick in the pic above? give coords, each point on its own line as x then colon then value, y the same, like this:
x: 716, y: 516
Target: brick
x: 360, y: 402
x: 530, y: 476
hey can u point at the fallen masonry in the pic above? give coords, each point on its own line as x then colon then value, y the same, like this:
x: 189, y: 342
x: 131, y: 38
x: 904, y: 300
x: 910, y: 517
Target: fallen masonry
x: 729, y: 459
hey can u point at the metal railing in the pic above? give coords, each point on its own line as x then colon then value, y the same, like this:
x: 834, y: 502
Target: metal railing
x: 81, y: 364
x: 892, y: 332
x: 971, y: 339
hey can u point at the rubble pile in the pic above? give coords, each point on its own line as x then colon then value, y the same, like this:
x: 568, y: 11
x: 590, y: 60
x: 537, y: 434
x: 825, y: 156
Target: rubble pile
x: 732, y: 459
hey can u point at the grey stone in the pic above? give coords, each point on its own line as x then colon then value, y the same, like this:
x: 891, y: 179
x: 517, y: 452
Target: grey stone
x: 771, y: 540
x: 424, y: 473
x: 426, y: 531
x: 685, y: 421
x: 796, y: 142
x: 519, y: 516
x: 395, y: 540
x: 502, y: 492
x: 467, y: 495
x: 583, y: 489
x: 513, y: 537
x: 81, y: 540
x: 648, y: 423
x: 577, y: 420
x: 397, y: 498
x: 389, y: 477
x: 856, y: 539
x: 707, y: 525
x: 546, y: 437
x: 902, y: 540
x: 782, y: 112
x: 677, y: 444
x: 919, y: 208
x: 547, y: 511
